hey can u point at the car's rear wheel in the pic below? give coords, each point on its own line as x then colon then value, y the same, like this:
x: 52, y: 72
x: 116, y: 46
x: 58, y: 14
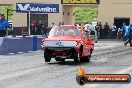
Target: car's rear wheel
x: 85, y: 59
x: 47, y: 56
x: 76, y: 57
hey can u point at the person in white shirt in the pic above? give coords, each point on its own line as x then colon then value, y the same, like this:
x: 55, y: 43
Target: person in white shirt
x: 114, y: 30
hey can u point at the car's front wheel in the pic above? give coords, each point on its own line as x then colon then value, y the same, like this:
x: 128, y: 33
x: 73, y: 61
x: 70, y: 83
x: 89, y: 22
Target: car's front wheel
x: 47, y: 56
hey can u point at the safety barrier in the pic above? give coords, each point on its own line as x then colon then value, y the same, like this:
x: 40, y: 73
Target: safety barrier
x: 19, y: 44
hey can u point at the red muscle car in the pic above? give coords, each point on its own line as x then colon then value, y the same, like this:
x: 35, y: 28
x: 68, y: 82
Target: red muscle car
x: 68, y: 42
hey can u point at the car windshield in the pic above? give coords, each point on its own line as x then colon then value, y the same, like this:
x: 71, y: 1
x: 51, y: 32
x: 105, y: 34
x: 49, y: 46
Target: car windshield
x: 64, y: 31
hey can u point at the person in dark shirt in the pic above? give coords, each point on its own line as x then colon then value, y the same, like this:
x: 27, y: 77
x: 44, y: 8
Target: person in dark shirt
x: 43, y: 29
x: 106, y: 30
x: 101, y: 30
x: 33, y: 27
x: 97, y: 28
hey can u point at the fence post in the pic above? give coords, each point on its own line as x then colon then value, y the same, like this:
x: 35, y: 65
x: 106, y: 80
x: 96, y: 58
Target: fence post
x: 34, y: 43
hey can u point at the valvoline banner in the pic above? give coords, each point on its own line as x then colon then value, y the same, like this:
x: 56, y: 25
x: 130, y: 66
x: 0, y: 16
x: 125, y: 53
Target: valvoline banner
x: 37, y: 8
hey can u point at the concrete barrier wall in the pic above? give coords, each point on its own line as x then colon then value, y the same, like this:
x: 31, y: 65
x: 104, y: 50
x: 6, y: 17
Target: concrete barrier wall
x: 18, y: 44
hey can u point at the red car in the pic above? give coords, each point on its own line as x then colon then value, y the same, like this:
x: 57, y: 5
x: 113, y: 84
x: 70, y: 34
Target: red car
x: 68, y: 42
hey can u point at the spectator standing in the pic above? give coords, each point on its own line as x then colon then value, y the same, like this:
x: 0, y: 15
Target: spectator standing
x: 3, y: 25
x: 43, y: 29
x: 52, y: 25
x: 33, y: 27
x: 128, y: 35
x: 39, y: 27
x: 97, y: 28
x: 59, y: 24
x: 114, y: 30
x: 106, y: 30
x: 82, y: 26
x: 119, y: 33
x: 123, y: 30
x: 101, y: 30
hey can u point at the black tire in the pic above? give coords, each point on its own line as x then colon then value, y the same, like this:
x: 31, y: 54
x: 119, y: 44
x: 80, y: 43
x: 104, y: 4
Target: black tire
x: 85, y: 59
x: 47, y: 56
x: 76, y: 58
x: 88, y: 58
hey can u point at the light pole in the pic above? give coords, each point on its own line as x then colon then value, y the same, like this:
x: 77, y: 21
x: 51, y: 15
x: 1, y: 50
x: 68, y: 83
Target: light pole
x: 29, y: 22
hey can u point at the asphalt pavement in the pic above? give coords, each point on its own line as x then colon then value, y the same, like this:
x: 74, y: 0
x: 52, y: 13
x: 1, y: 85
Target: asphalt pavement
x: 28, y: 70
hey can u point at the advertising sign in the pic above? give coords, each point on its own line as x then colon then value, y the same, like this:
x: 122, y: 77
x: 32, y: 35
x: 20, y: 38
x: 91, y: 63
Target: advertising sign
x: 80, y: 1
x: 37, y: 8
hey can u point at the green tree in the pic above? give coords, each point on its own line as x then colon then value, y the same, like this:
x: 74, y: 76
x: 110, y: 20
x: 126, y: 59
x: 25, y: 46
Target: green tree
x: 85, y: 14
x: 4, y: 11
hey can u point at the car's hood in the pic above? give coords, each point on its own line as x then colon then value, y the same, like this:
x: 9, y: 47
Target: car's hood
x: 63, y: 38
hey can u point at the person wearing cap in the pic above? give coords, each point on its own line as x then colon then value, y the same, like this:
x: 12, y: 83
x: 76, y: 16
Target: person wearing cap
x: 3, y: 25
x: 128, y: 35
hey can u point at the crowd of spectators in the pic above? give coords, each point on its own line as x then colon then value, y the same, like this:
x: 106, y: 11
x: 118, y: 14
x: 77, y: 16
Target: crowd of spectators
x: 109, y: 32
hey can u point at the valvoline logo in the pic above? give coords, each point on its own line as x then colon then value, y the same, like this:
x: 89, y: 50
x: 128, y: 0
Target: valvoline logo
x: 37, y: 8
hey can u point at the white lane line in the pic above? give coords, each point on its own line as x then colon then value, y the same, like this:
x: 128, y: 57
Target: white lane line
x: 30, y: 51
x: 11, y: 53
x: 20, y: 52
